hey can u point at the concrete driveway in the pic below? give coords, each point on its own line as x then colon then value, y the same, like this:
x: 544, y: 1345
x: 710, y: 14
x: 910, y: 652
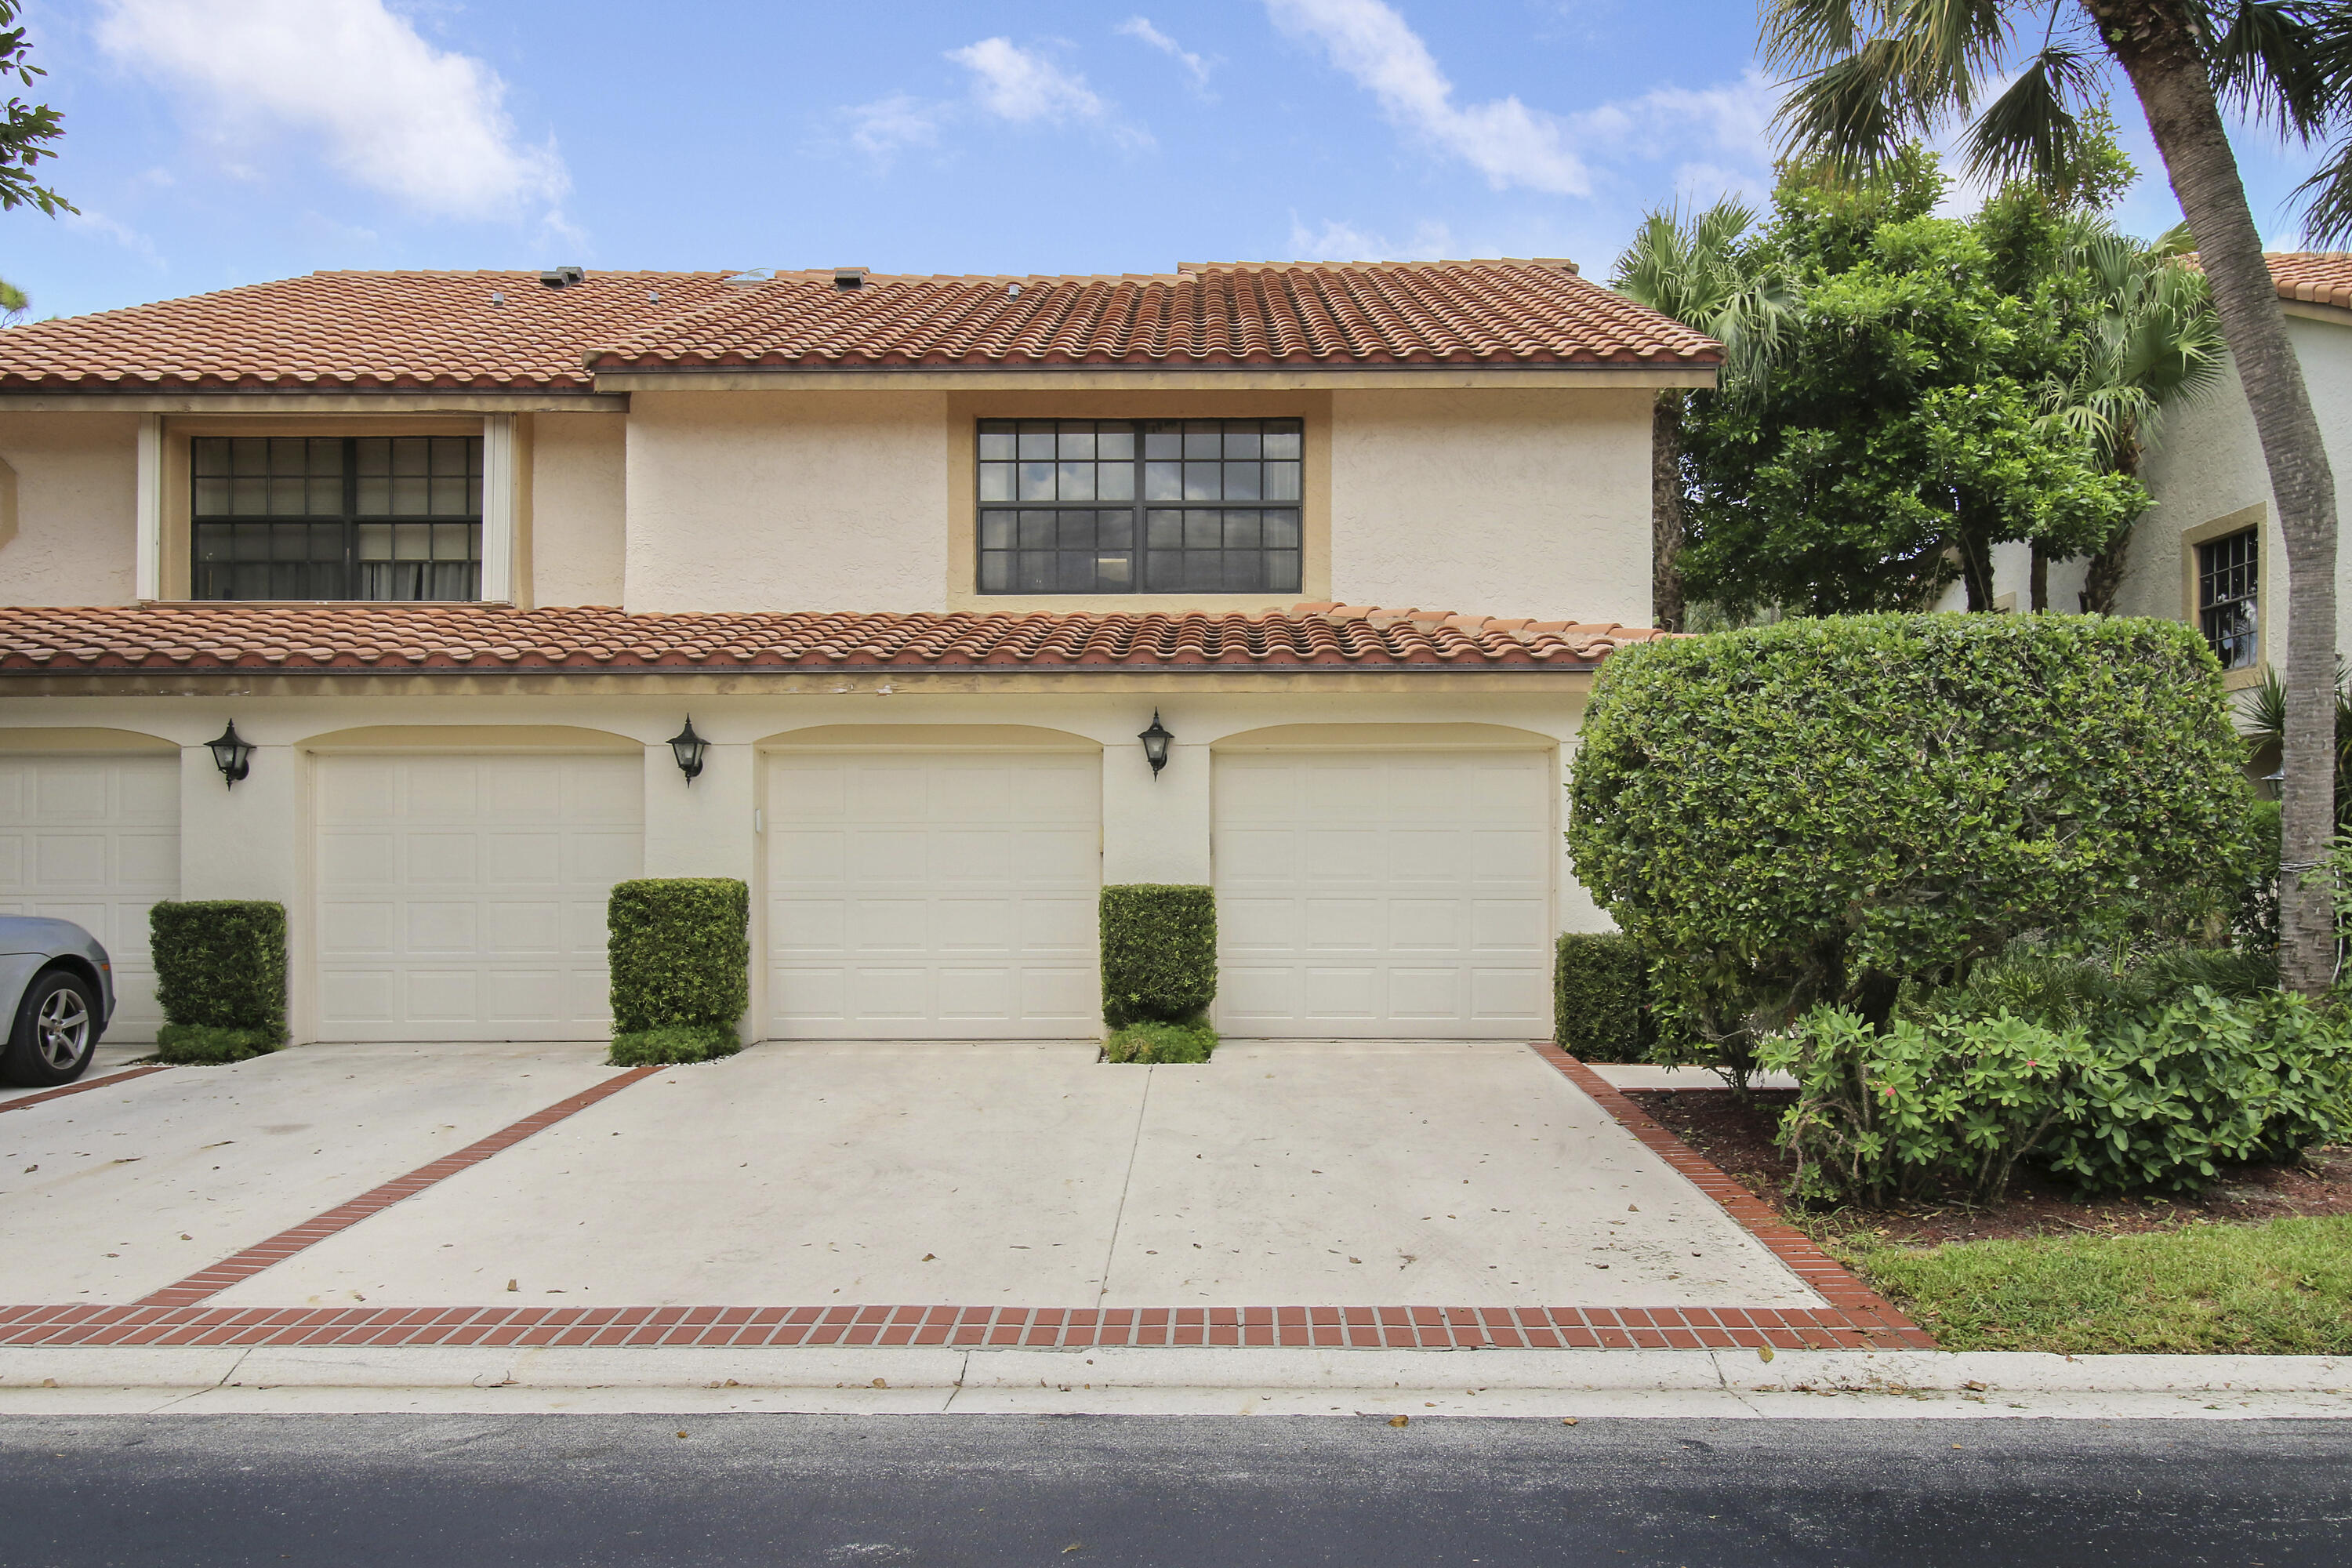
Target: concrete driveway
x: 984, y: 1175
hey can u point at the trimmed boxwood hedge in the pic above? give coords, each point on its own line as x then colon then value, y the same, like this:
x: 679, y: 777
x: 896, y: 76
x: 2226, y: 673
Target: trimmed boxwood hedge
x: 1822, y: 811
x: 680, y: 957
x: 1158, y: 954
x: 1599, y: 1000
x: 220, y: 978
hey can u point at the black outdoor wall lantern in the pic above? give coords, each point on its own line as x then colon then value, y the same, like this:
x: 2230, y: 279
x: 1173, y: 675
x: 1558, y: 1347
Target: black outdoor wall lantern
x: 687, y: 748
x: 232, y: 754
x: 1155, y: 745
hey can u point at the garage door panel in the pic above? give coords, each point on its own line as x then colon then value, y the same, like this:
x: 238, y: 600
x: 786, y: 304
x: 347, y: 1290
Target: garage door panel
x: 1513, y: 996
x: 1384, y: 895
x: 963, y: 902
x: 472, y: 889
x: 1499, y: 925
x: 95, y: 839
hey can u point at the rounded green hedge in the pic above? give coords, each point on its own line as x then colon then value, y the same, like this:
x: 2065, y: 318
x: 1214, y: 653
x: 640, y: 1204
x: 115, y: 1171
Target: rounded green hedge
x: 1818, y: 811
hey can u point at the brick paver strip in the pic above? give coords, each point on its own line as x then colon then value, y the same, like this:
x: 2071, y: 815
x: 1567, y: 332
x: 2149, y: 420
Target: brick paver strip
x: 1856, y: 1317
x: 219, y: 1277
x: 84, y: 1086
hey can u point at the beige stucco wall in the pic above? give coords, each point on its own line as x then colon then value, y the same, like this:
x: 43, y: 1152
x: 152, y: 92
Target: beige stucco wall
x: 2209, y: 464
x: 787, y: 500
x: 77, y: 502
x: 1497, y: 502
x: 578, y: 507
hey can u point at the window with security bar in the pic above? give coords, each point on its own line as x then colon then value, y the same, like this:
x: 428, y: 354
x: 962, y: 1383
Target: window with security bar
x: 379, y: 518
x: 1140, y: 506
x: 2229, y: 582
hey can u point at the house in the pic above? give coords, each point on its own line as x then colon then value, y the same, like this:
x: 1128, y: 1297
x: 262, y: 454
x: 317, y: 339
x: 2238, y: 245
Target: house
x: 2209, y: 552
x: 467, y: 557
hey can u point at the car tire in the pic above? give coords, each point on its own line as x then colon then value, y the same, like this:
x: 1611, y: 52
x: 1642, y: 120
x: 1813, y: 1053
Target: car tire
x: 56, y: 1031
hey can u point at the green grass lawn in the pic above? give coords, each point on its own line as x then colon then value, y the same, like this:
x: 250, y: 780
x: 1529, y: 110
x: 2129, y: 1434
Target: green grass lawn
x: 2281, y: 1289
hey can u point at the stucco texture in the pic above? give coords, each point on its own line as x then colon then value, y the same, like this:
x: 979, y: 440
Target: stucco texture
x: 75, y: 535
x: 784, y: 500
x: 579, y: 507
x: 1498, y: 502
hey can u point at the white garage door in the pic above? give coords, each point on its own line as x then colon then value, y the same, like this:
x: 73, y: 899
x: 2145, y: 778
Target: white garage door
x: 96, y: 840
x: 1396, y: 896
x: 462, y: 897
x: 919, y: 896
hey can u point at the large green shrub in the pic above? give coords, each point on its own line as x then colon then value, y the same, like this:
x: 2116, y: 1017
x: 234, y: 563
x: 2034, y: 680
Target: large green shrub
x: 681, y: 958
x: 220, y: 978
x: 1820, y: 811
x: 1158, y: 954
x: 1597, y: 998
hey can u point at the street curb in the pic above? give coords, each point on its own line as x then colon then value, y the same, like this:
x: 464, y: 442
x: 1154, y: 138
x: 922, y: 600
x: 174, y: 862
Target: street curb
x: 1200, y: 1368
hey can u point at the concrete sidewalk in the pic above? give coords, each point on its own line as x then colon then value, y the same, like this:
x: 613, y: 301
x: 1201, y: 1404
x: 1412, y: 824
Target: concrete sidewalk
x: 1560, y: 1385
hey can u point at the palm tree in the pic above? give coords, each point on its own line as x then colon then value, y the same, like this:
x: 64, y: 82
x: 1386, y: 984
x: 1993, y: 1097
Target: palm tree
x: 2155, y: 343
x: 1877, y: 73
x: 1698, y: 271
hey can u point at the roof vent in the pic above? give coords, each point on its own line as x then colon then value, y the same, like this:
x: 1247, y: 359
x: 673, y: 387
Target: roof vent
x: 750, y: 278
x: 1013, y: 290
x: 562, y: 277
x: 847, y: 277
x: 498, y: 298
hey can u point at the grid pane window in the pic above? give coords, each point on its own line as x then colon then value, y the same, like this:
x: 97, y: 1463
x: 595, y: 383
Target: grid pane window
x: 1083, y: 506
x: 373, y: 518
x: 2228, y: 598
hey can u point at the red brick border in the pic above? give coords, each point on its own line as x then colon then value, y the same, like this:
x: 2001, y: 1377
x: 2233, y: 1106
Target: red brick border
x: 1034, y: 1328
x: 287, y: 1243
x: 125, y: 1076
x: 1856, y: 1318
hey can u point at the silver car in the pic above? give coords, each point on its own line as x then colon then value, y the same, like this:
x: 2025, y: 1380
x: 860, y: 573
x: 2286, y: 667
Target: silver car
x: 57, y: 985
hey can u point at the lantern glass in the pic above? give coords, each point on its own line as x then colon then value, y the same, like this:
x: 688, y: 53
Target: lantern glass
x: 232, y: 754
x: 687, y: 748
x: 1155, y: 743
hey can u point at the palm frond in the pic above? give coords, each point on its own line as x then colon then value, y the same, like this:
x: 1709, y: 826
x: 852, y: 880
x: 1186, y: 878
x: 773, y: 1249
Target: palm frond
x: 1857, y: 111
x: 1951, y: 43
x: 2326, y: 197
x: 1801, y: 34
x: 2032, y: 132
x: 2271, y: 62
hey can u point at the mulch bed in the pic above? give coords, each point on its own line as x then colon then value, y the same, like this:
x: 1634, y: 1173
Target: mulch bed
x: 1738, y: 1138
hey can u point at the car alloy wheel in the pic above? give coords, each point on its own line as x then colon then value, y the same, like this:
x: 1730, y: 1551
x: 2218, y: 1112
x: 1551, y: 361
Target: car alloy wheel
x: 61, y: 1028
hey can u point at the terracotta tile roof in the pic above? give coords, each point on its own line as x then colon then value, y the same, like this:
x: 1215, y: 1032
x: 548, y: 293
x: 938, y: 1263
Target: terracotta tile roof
x: 1302, y: 313
x: 393, y: 331
x: 353, y: 331
x: 406, y: 638
x: 2314, y: 277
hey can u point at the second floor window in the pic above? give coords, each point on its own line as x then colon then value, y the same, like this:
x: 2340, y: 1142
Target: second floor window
x: 2228, y: 599
x: 1149, y: 506
x: 368, y: 517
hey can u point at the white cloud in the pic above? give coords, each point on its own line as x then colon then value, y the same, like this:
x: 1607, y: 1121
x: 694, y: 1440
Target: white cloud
x: 1504, y: 139
x: 390, y: 110
x: 882, y: 129
x: 1337, y: 241
x: 1140, y: 29
x: 123, y: 233
x: 1023, y: 86
x: 1720, y: 137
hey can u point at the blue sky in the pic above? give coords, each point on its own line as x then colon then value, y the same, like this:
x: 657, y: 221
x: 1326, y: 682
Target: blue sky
x: 212, y: 142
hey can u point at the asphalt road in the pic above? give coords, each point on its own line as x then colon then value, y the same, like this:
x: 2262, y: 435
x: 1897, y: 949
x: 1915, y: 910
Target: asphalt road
x: 987, y: 1490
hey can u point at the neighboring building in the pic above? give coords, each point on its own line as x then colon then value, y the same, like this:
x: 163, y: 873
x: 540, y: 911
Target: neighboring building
x: 2209, y: 552
x: 459, y: 553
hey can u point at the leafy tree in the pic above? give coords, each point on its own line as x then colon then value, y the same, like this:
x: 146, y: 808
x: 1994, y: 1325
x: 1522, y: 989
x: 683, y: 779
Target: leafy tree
x: 1698, y: 271
x: 1899, y: 437
x: 1877, y: 73
x: 27, y: 131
